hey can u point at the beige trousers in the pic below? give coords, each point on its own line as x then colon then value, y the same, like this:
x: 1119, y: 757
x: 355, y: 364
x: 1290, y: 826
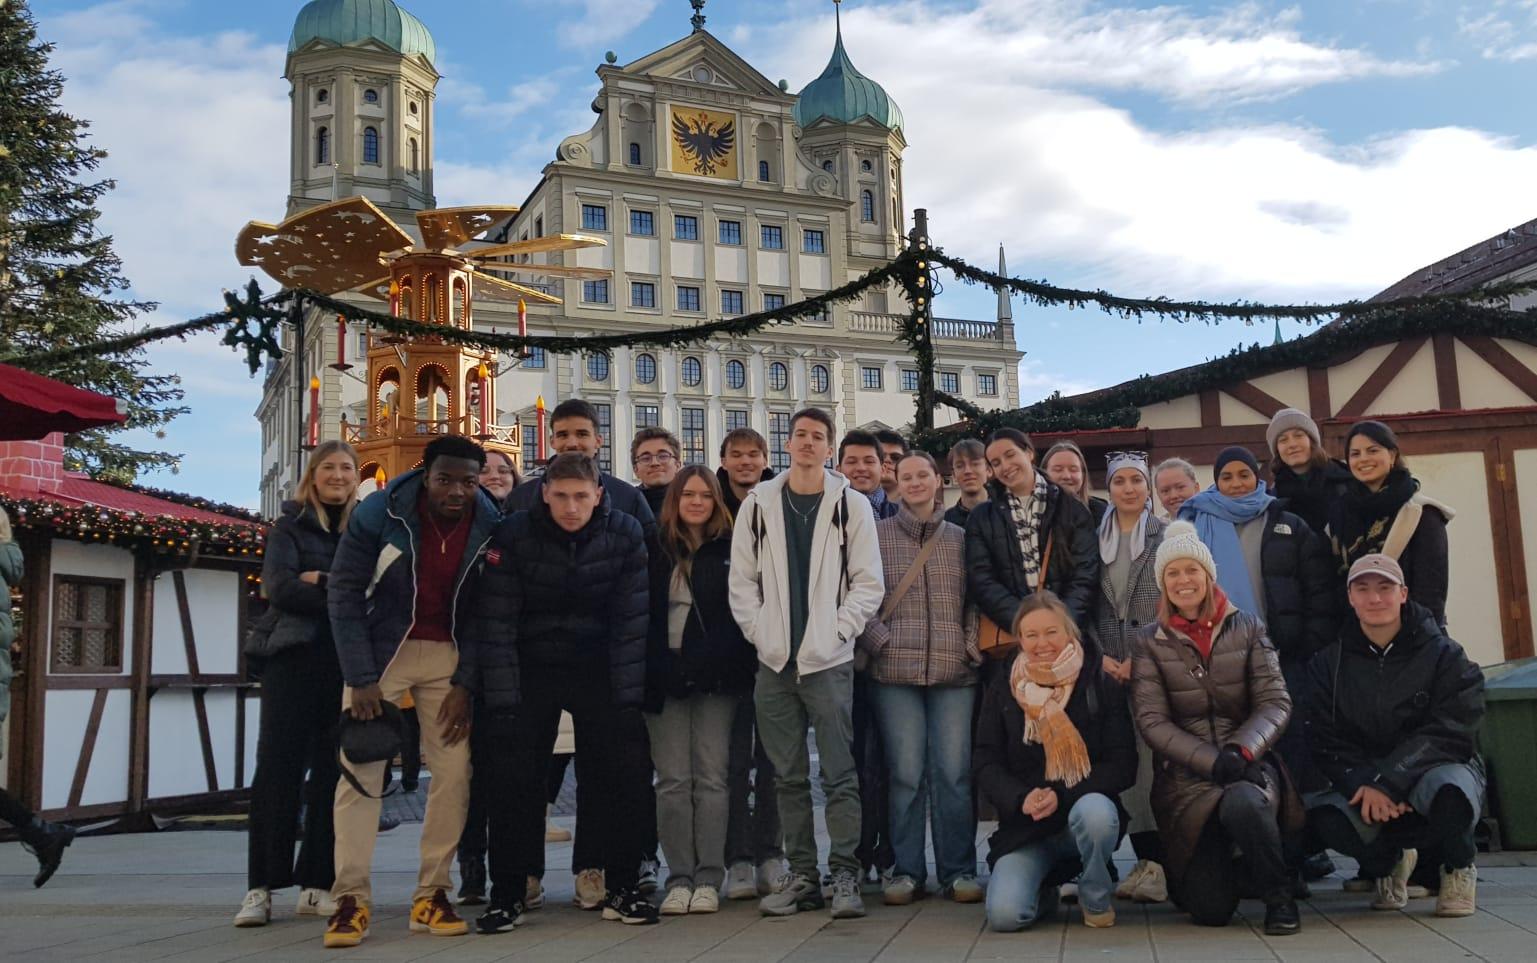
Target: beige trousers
x: 424, y: 670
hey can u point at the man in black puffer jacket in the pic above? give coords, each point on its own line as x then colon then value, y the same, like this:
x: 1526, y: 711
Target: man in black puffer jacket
x: 570, y: 576
x: 1396, y: 711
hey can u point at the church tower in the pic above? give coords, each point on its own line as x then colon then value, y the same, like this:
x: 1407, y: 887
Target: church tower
x: 852, y: 129
x: 362, y: 91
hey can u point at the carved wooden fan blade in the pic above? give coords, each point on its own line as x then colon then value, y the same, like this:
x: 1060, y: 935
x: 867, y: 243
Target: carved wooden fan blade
x: 331, y: 248
x: 449, y: 227
x: 551, y: 270
x: 495, y: 289
x: 539, y: 245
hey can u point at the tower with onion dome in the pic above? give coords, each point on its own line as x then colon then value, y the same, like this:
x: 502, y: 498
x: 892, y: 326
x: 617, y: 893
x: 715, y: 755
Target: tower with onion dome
x: 362, y: 94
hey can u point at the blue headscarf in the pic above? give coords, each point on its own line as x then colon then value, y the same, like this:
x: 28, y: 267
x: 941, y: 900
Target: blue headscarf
x: 1217, y: 517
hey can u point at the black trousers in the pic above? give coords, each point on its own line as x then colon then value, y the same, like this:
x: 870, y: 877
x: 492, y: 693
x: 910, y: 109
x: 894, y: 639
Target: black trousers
x: 753, y: 834
x: 472, y: 842
x: 1445, y: 834
x: 870, y: 764
x: 613, y: 764
x: 1209, y: 889
x: 301, y: 700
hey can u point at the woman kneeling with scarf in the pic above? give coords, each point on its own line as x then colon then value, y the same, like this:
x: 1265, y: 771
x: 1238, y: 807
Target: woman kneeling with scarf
x: 1054, y: 748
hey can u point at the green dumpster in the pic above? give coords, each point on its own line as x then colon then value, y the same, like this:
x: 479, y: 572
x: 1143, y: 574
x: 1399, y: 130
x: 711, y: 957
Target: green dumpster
x: 1508, y: 742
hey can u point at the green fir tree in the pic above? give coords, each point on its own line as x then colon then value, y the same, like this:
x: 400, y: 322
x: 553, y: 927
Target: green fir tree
x: 61, y: 283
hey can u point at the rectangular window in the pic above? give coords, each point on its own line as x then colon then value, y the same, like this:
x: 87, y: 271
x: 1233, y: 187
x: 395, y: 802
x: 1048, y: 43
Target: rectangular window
x: 535, y: 359
x: 735, y: 418
x: 771, y: 237
x: 773, y: 301
x: 642, y: 294
x: 539, y: 226
x: 950, y: 382
x: 870, y: 378
x: 731, y: 232
x: 779, y: 440
x: 594, y: 217
x: 685, y: 227
x: 731, y: 302
x: 605, y: 431
x: 909, y: 379
x: 691, y: 434
x: 987, y: 385
x: 642, y: 223
x: 814, y: 242
x: 648, y: 416
x: 688, y: 298
x: 87, y: 625
x: 530, y: 443
x: 595, y: 292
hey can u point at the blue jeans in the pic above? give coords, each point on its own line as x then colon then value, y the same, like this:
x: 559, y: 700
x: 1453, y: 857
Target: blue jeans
x: 927, y: 731
x: 1093, y: 829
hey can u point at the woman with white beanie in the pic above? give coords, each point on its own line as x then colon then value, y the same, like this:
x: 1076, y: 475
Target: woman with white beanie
x: 1208, y: 697
x: 1306, y: 478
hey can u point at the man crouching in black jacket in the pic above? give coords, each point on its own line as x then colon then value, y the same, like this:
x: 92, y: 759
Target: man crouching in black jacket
x: 570, y: 574
x: 1396, y: 708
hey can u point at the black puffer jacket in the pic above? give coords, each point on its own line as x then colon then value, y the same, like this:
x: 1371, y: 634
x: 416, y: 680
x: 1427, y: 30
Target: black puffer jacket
x: 1311, y: 495
x: 1384, y: 718
x: 564, y: 602
x: 715, y: 656
x: 1298, y: 572
x: 996, y: 570
x: 1005, y: 769
x: 298, y: 542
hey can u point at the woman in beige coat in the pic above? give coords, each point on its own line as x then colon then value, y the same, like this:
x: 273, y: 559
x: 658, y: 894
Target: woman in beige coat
x: 1208, y: 698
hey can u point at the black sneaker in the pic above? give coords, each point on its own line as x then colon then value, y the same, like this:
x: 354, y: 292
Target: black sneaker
x: 500, y: 919
x: 629, y: 907
x: 1282, y: 918
x: 472, y: 882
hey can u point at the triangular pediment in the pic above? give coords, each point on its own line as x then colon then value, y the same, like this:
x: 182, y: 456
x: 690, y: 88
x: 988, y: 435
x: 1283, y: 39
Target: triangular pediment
x: 702, y: 59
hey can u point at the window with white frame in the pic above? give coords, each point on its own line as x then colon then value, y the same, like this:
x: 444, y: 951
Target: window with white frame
x: 736, y: 375
x: 692, y: 435
x: 871, y: 377
x: 950, y: 382
x: 642, y: 294
x: 778, y: 376
x: 779, y: 439
x: 688, y: 298
x: 987, y: 385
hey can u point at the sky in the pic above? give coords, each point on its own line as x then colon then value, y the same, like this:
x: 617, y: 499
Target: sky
x: 1304, y: 151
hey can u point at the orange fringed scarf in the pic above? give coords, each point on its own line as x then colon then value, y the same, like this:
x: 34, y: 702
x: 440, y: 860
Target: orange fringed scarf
x: 1042, y: 692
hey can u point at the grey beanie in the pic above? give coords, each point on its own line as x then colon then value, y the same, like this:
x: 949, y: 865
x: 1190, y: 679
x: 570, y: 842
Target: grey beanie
x: 1285, y: 420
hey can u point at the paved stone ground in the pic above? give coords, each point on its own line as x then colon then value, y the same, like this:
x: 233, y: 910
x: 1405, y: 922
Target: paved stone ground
x: 171, y: 895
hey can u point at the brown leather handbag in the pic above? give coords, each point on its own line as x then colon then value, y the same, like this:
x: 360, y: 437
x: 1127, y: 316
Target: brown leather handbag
x: 992, y: 640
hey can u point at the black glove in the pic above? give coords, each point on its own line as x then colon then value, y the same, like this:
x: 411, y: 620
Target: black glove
x: 1229, y: 767
x: 1255, y: 773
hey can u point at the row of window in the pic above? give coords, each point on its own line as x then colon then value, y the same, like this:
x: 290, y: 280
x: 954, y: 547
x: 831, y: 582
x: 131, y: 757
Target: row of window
x: 692, y: 373
x: 370, y: 97
x: 692, y: 433
x: 873, y: 378
x: 643, y: 295
x: 685, y: 227
x: 765, y: 173
x: 370, y: 149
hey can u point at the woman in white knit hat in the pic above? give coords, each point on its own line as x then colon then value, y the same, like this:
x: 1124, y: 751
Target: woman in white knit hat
x: 1306, y: 478
x: 1208, y: 697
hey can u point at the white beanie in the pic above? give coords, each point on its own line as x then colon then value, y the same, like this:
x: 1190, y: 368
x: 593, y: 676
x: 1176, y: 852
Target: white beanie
x: 1180, y: 541
x: 1285, y: 420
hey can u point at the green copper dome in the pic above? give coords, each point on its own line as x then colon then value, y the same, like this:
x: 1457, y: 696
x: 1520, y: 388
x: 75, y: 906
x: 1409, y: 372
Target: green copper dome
x: 349, y: 21
x: 844, y: 95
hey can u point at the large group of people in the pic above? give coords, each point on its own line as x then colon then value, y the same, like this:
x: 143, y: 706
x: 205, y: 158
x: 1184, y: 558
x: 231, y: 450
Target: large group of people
x: 1254, y: 676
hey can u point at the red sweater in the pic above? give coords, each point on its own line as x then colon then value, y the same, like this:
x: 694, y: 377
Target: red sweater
x: 437, y: 565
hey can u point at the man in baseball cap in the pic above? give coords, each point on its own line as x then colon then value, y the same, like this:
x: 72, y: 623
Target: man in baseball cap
x: 1397, y: 705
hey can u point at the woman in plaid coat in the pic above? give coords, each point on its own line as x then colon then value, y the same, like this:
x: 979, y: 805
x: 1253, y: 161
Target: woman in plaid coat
x: 922, y: 652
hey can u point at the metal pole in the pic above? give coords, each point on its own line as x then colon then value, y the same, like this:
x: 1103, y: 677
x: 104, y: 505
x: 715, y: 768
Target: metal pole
x: 300, y: 384
x: 923, y: 308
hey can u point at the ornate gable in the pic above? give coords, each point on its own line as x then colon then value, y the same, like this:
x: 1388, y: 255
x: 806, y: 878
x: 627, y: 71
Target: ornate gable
x: 701, y: 59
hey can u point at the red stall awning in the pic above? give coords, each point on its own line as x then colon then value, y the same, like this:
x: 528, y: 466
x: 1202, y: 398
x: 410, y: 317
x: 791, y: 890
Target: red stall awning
x: 32, y: 406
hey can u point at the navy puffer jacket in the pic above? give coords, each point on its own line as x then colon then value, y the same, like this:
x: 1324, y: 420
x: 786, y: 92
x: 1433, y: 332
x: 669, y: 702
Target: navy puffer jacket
x: 575, y: 601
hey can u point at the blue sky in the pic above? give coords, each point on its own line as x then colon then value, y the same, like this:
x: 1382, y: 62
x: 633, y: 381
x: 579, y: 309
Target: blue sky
x: 1284, y: 151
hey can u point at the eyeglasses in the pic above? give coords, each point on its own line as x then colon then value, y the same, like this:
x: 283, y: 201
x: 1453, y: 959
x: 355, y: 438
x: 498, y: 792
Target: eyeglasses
x: 660, y: 458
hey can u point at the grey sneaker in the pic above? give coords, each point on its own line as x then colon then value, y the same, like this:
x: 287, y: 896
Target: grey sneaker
x: 796, y: 892
x: 1393, y: 889
x: 741, y: 882
x: 900, y: 890
x: 846, y: 902
x: 1459, y: 892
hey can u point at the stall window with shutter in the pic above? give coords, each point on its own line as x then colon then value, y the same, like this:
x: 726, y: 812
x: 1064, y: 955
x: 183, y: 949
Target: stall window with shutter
x: 87, y: 625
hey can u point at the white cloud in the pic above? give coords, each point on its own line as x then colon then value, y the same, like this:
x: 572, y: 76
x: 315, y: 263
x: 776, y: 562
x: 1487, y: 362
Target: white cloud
x: 602, y: 21
x: 1502, y: 29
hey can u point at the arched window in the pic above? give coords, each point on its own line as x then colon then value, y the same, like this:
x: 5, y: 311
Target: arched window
x: 779, y: 376
x: 597, y: 367
x: 763, y: 171
x: 371, y: 145
x: 323, y: 146
x: 407, y: 305
x: 819, y: 379
x: 645, y: 369
x: 322, y: 96
x: 414, y: 108
x: 458, y: 303
x: 634, y: 154
x: 827, y: 166
x: 370, y: 96
x: 866, y: 206
x: 693, y: 372
x: 416, y: 157
x: 431, y: 314
x: 864, y: 167
x: 736, y: 374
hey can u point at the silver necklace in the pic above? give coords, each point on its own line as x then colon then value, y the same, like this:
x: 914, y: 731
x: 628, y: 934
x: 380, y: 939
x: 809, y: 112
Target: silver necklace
x: 806, y: 516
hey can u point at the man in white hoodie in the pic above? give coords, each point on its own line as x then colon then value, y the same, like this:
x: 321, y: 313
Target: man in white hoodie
x: 805, y: 578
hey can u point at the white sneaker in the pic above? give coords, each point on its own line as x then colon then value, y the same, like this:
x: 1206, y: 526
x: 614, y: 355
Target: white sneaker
x: 255, y: 909
x: 740, y: 882
x: 677, y: 902
x: 1128, y: 885
x: 706, y: 899
x: 1393, y: 889
x: 590, y: 890
x: 315, y: 902
x: 1459, y: 892
x: 1153, y: 886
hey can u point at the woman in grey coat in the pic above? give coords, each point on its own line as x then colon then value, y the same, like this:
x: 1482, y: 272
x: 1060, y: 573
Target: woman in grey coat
x: 1129, y: 535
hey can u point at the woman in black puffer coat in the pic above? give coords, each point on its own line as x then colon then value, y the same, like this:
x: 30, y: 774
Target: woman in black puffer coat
x: 300, y: 695
x: 698, y: 667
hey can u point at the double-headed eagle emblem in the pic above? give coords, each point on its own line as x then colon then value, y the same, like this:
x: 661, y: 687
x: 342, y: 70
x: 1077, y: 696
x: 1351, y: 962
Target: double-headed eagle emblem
x: 703, y: 143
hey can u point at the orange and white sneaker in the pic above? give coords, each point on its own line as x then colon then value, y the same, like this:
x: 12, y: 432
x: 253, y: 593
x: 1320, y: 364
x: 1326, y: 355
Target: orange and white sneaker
x: 348, y: 926
x: 435, y: 914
